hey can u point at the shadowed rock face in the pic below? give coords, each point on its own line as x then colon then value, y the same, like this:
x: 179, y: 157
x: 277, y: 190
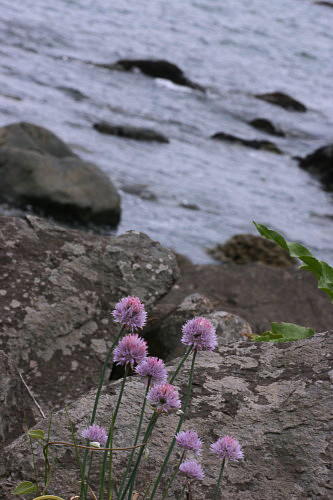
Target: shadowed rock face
x: 126, y: 131
x: 57, y: 290
x: 320, y: 164
x: 159, y: 69
x: 266, y: 126
x: 39, y: 171
x: 255, y: 144
x: 283, y: 100
x: 275, y: 399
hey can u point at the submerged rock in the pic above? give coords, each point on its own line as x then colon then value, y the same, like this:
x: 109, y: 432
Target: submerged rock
x: 39, y: 171
x: 266, y: 126
x: 283, y: 100
x: 255, y: 144
x: 320, y: 164
x: 274, y: 398
x: 244, y: 248
x: 326, y: 4
x: 158, y: 69
x: 137, y: 133
x: 58, y: 288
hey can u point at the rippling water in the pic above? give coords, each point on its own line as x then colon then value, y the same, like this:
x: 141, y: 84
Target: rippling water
x: 235, y: 48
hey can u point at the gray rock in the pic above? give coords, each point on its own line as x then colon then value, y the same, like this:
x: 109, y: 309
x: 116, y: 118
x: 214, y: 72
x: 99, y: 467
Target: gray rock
x: 275, y: 399
x: 39, y: 171
x: 15, y: 403
x: 282, y: 100
x: 320, y: 164
x: 129, y: 132
x: 164, y: 336
x: 244, y: 248
x: 57, y: 290
x: 255, y: 144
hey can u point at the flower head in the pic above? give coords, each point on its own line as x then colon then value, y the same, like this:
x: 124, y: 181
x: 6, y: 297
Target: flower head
x: 131, y: 349
x: 153, y: 369
x: 130, y: 312
x: 96, y: 434
x: 164, y: 397
x: 200, y: 333
x: 227, y: 447
x: 192, y: 470
x: 189, y: 440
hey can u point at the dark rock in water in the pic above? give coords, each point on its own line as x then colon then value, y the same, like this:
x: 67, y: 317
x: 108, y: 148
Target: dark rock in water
x: 140, y: 190
x: 39, y: 171
x: 255, y: 144
x: 320, y: 164
x: 189, y: 206
x: 266, y: 126
x: 326, y: 4
x: 244, y: 248
x: 159, y: 69
x: 137, y: 133
x: 16, y: 403
x: 274, y: 398
x: 57, y: 290
x: 75, y: 94
x: 283, y: 100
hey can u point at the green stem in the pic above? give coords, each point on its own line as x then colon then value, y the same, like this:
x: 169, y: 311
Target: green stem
x: 173, y: 475
x: 77, y: 455
x: 83, y: 491
x: 148, y: 432
x: 180, y: 423
x: 136, y: 438
x: 182, y: 361
x: 217, y: 487
x: 34, y: 463
x: 183, y: 491
x: 110, y: 440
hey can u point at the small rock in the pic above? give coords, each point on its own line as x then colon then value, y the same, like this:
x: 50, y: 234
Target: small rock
x: 128, y: 132
x: 283, y: 100
x: 255, y: 144
x: 266, y: 126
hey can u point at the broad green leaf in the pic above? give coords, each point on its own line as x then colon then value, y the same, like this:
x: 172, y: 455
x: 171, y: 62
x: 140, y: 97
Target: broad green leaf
x: 25, y: 487
x: 284, y: 332
x: 36, y: 434
x: 322, y: 271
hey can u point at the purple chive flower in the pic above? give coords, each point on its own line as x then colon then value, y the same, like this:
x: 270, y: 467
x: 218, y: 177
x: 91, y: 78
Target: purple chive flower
x: 164, y: 397
x: 192, y: 470
x: 189, y: 440
x: 96, y: 434
x: 200, y: 333
x: 130, y: 312
x: 227, y: 447
x: 131, y: 349
x: 154, y: 369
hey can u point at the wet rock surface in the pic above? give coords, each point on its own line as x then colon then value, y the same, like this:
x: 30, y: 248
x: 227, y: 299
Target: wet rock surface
x: 39, y: 171
x: 57, y: 290
x: 266, y: 126
x: 283, y: 100
x: 128, y: 132
x: 255, y: 143
x: 275, y: 399
x: 320, y: 164
x: 15, y: 403
x: 244, y: 248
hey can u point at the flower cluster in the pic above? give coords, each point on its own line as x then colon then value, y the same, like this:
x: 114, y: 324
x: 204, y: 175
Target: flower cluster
x: 131, y: 350
x: 227, y: 447
x: 95, y: 434
x: 189, y: 440
x: 200, y: 333
x: 153, y: 370
x: 130, y: 312
x: 192, y: 470
x: 164, y: 398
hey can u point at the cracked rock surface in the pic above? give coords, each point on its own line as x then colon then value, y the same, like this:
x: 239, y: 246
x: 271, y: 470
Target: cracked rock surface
x: 57, y: 290
x: 274, y: 398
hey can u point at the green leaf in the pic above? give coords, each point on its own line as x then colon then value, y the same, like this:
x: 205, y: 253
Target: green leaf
x: 322, y: 271
x: 36, y: 434
x: 284, y: 332
x: 25, y: 487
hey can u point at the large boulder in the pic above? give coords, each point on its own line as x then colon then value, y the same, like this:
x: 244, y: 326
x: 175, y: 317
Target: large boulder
x: 283, y: 100
x: 320, y: 164
x: 157, y: 69
x: 274, y: 398
x: 251, y: 143
x: 15, y: 402
x: 129, y: 132
x: 244, y: 248
x: 40, y: 172
x: 57, y: 290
